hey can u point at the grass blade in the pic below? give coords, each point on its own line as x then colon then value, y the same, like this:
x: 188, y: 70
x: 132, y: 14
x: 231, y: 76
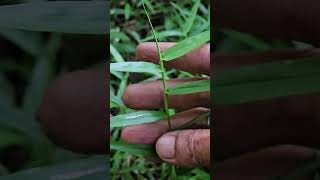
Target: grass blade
x: 266, y: 81
x: 190, y: 87
x: 42, y: 74
x: 186, y: 46
x: 135, y: 67
x: 164, y: 34
x: 11, y: 138
x: 115, y: 53
x: 135, y: 118
x: 193, y: 121
x: 269, y: 71
x: 85, y: 169
x: 136, y: 149
x: 247, y: 39
x: 30, y: 42
x: 254, y: 91
x: 58, y: 16
x: 192, y: 17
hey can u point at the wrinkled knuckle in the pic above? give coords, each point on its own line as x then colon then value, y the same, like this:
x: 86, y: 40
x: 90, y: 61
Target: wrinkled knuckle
x: 191, y: 153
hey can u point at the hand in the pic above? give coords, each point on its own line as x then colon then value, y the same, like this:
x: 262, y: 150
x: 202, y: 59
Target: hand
x: 252, y: 138
x: 189, y: 148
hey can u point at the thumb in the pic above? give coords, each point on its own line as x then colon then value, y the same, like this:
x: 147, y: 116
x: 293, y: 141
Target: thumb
x: 189, y: 148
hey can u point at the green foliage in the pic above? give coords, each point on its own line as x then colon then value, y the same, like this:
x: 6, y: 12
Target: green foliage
x: 136, y: 149
x: 190, y: 87
x: 169, y: 25
x: 135, y: 118
x: 85, y: 169
x: 186, y: 46
x: 267, y: 81
x: 34, y: 67
x: 136, y: 67
x: 64, y: 16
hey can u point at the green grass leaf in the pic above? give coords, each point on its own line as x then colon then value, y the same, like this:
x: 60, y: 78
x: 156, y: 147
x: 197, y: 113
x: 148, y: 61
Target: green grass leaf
x: 192, y: 17
x: 10, y: 138
x: 59, y: 16
x: 164, y: 34
x: 254, y: 91
x: 185, y: 46
x: 115, y: 53
x: 136, y: 149
x: 85, y: 169
x: 135, y: 118
x: 136, y: 67
x: 41, y: 75
x: 268, y: 71
x: 247, y: 39
x: 30, y: 42
x: 266, y: 81
x: 127, y: 11
x: 115, y: 101
x: 190, y: 87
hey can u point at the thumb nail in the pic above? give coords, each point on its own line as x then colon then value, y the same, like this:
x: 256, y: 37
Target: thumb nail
x: 166, y: 147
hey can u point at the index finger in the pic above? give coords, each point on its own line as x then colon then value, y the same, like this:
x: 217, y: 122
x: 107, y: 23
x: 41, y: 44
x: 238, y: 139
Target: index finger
x: 197, y: 61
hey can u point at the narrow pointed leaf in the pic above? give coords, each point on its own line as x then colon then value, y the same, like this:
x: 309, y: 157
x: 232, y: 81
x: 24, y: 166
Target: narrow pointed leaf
x: 115, y: 53
x: 267, y: 81
x: 185, y: 46
x: 136, y: 149
x: 164, y: 34
x: 85, y: 169
x: 192, y: 17
x: 29, y: 41
x: 255, y: 91
x: 190, y: 87
x: 136, y: 67
x: 135, y: 118
x: 57, y: 16
x: 269, y: 71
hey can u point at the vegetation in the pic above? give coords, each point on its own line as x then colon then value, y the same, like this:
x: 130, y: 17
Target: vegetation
x: 265, y: 81
x: 34, y: 41
x: 186, y: 22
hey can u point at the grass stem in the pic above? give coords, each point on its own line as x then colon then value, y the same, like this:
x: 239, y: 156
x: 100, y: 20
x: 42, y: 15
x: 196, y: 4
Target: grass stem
x: 163, y: 70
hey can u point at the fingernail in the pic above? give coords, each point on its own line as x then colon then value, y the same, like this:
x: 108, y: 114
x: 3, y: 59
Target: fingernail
x: 166, y: 147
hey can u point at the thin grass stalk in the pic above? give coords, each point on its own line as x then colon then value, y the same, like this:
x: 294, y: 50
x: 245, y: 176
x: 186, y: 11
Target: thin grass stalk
x: 193, y: 121
x: 163, y: 70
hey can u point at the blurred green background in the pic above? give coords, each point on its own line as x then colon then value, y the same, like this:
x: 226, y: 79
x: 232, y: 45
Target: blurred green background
x: 29, y: 61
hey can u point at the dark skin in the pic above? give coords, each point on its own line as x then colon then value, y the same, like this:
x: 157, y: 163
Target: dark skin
x: 254, y: 136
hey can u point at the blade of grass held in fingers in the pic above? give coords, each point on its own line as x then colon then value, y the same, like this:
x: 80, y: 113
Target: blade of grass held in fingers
x: 136, y: 149
x: 193, y: 121
x: 190, y: 87
x: 136, y: 67
x: 268, y: 71
x: 163, y: 70
x: 185, y: 46
x: 254, y: 91
x: 135, y: 118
